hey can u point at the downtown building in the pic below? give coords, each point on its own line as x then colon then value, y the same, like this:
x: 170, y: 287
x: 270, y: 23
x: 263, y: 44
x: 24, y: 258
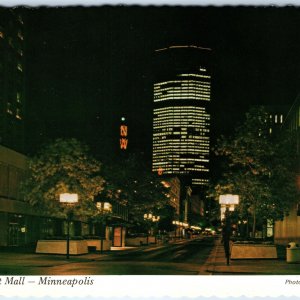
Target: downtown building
x: 13, y: 163
x: 288, y: 230
x: 21, y: 225
x: 181, y: 118
x: 12, y: 90
x: 181, y: 121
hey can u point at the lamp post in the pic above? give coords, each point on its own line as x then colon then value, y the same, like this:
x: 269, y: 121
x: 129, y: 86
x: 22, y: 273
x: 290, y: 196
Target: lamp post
x: 69, y: 200
x: 151, y: 218
x: 104, y: 208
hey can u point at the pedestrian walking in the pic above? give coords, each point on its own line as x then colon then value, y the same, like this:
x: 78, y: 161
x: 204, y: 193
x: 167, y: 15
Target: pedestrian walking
x: 226, y: 233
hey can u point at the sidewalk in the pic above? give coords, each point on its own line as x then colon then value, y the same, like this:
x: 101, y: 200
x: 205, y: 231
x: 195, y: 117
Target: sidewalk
x: 216, y: 265
x: 16, y: 260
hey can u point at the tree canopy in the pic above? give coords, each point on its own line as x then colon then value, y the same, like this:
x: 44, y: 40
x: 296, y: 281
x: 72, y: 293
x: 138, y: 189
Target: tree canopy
x: 259, y: 167
x: 130, y: 182
x: 63, y: 166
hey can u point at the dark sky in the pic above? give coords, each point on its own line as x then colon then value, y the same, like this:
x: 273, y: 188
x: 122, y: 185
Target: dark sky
x: 89, y: 66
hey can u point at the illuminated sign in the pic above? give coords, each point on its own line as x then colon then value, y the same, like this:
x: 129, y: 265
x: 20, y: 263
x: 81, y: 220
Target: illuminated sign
x: 123, y: 139
x: 123, y: 144
x: 123, y: 130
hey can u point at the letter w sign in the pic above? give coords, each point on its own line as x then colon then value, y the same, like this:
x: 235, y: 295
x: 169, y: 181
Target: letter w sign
x: 123, y: 143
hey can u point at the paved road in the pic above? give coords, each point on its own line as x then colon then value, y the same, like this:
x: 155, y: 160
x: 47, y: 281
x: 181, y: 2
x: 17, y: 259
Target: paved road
x: 182, y: 258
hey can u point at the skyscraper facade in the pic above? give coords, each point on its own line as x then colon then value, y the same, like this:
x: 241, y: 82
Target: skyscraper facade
x: 181, y: 119
x: 12, y: 79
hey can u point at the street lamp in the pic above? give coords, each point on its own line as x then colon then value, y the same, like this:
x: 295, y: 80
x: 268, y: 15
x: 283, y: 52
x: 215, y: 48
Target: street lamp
x: 104, y: 208
x: 69, y: 200
x: 152, y: 219
x: 228, y: 202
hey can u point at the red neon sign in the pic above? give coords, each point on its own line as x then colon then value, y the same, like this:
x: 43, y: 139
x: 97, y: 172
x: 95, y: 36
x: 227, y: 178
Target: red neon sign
x: 123, y: 143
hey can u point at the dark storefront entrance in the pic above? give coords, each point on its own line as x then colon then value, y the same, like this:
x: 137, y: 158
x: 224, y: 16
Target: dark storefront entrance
x: 16, y: 230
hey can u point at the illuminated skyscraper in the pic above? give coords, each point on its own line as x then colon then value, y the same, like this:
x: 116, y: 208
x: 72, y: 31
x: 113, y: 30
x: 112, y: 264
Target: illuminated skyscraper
x: 181, y: 121
x: 11, y: 79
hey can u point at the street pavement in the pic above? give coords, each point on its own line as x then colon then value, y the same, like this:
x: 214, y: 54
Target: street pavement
x: 203, y: 256
x: 185, y: 257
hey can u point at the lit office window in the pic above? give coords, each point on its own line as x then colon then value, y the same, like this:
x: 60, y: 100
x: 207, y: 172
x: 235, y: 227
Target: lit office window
x: 281, y: 119
x: 20, y: 35
x: 276, y: 119
x: 20, y: 19
x: 18, y: 97
x: 20, y: 68
x: 9, y: 108
x: 18, y: 114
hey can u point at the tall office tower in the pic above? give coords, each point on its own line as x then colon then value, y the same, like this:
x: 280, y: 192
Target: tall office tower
x: 11, y: 79
x: 181, y: 121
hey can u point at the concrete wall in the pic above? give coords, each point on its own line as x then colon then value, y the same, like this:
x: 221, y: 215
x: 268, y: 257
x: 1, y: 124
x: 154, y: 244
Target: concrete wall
x: 97, y: 243
x: 137, y: 241
x: 16, y: 207
x: 60, y: 247
x: 13, y: 158
x: 288, y: 230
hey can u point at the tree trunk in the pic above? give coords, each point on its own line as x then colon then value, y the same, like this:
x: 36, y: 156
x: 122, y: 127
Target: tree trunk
x: 254, y: 222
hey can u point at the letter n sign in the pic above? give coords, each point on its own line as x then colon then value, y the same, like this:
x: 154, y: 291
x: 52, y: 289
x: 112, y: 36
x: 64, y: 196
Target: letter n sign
x: 123, y: 130
x: 123, y: 139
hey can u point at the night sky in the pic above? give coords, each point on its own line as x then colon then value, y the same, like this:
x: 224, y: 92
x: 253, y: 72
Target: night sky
x: 87, y: 67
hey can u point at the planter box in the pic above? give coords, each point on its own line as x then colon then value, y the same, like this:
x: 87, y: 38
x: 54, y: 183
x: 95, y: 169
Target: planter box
x: 137, y: 241
x: 97, y: 243
x: 60, y: 247
x: 293, y: 255
x: 151, y: 240
x: 253, y: 251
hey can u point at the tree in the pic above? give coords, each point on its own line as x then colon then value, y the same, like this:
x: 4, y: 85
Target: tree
x: 130, y: 181
x: 259, y: 167
x: 63, y: 166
